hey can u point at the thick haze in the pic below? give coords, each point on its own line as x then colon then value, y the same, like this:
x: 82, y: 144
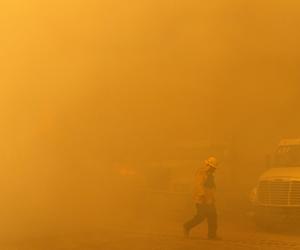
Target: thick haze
x: 89, y: 84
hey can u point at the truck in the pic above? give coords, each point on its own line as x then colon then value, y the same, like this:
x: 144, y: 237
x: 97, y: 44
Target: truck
x: 276, y: 197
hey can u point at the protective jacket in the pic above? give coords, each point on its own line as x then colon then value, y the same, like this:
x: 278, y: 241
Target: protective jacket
x: 204, y: 190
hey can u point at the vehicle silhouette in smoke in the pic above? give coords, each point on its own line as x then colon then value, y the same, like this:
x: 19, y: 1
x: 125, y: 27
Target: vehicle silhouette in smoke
x: 276, y: 198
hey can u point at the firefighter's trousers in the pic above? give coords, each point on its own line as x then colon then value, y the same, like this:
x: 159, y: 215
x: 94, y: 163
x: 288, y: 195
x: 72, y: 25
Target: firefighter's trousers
x: 204, y: 211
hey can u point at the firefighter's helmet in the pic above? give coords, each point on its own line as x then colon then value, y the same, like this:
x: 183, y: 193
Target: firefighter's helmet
x: 212, y: 162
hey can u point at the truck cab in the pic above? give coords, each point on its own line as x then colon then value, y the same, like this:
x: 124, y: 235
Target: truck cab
x: 276, y: 197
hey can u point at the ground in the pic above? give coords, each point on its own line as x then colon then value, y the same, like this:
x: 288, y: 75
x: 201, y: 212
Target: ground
x: 164, y: 235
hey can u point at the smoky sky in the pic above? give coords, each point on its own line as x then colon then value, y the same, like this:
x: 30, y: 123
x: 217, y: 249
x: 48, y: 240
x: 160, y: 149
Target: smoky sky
x: 97, y: 75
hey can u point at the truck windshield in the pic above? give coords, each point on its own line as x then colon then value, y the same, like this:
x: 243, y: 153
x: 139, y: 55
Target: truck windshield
x: 287, y: 156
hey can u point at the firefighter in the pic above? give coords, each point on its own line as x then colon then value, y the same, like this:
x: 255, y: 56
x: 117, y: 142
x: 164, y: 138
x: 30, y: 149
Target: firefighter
x: 204, y: 197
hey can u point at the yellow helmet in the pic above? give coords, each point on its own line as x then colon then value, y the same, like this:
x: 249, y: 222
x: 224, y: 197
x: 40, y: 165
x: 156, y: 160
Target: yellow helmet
x: 212, y: 162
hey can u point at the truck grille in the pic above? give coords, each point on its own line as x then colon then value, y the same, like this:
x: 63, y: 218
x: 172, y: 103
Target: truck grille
x: 279, y: 193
